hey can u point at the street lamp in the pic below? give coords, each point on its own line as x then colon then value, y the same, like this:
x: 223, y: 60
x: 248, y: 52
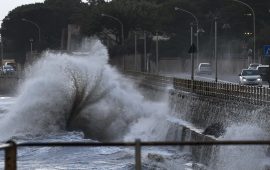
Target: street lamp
x: 122, y: 27
x: 216, y: 71
x: 200, y: 30
x: 197, y: 37
x: 31, y: 46
x: 254, y: 26
x: 36, y: 25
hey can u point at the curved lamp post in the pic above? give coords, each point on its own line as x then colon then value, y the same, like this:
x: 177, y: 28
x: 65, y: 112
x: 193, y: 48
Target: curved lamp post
x: 197, y: 30
x: 254, y: 27
x: 122, y: 27
x: 36, y: 25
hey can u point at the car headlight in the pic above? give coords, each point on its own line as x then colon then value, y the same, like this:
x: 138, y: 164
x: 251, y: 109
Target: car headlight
x: 244, y: 79
x: 259, y: 79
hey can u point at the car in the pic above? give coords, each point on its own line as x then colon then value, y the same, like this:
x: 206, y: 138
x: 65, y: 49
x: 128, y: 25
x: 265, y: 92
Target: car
x: 8, y: 69
x: 250, y: 77
x: 264, y: 72
x: 14, y: 65
x: 204, y: 68
x: 254, y: 65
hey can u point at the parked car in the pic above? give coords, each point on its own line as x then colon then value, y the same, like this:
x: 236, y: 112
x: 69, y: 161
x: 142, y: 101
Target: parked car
x: 264, y: 72
x: 204, y: 68
x: 254, y: 65
x: 250, y: 77
x: 8, y: 69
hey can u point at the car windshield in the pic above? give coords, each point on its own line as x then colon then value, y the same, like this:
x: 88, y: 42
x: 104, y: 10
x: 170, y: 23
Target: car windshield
x: 205, y: 65
x: 250, y: 72
x: 8, y: 67
x: 254, y: 65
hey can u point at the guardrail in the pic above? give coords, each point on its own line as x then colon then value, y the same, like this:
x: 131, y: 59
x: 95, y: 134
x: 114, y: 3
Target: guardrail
x: 11, y: 147
x: 235, y: 92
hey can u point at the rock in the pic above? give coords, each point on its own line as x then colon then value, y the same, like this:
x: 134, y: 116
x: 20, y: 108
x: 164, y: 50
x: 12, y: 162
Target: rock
x: 155, y: 157
x: 215, y: 129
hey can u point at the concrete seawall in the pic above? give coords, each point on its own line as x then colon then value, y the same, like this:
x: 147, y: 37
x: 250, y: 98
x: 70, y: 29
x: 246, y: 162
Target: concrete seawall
x: 202, y: 111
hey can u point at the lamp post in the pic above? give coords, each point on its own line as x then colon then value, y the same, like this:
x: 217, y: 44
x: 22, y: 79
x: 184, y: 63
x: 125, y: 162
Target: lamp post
x: 157, y: 53
x: 254, y: 26
x: 35, y: 24
x: 216, y: 68
x: 197, y: 40
x: 135, y: 51
x: 121, y: 24
x: 144, y: 51
x: 31, y: 48
x: 191, y: 53
x: 200, y: 30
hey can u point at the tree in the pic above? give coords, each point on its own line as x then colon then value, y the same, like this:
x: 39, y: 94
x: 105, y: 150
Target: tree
x: 51, y: 17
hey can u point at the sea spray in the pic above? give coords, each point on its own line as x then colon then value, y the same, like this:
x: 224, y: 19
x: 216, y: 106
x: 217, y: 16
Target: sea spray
x: 241, y: 157
x: 79, y: 91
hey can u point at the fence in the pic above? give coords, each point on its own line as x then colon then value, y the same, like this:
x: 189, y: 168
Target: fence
x: 229, y: 91
x: 11, y: 147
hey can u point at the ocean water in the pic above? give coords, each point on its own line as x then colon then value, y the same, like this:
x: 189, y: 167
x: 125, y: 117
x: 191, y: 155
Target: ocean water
x: 79, y: 97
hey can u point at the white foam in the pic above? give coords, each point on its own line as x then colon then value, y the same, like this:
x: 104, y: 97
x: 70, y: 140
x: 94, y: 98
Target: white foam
x: 108, y: 105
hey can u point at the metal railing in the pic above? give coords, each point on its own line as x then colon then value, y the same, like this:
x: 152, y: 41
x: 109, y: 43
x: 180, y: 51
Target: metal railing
x: 235, y: 92
x: 11, y: 147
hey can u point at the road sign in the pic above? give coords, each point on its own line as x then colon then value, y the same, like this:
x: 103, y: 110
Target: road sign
x: 266, y: 50
x: 193, y: 49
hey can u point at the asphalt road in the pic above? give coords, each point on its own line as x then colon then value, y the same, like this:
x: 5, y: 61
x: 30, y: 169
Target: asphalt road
x: 221, y: 78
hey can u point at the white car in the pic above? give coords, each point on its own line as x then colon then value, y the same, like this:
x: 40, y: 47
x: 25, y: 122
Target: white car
x: 250, y: 77
x: 264, y: 72
x: 204, y: 68
x: 8, y: 69
x: 253, y: 65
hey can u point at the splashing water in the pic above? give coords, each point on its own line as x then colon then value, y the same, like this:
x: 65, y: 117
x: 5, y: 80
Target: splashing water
x: 79, y: 91
x: 241, y: 157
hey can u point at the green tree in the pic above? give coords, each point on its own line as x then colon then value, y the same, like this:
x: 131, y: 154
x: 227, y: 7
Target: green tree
x: 51, y: 17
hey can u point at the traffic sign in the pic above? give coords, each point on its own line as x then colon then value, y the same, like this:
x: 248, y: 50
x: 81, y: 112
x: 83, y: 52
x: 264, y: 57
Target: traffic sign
x: 193, y: 49
x: 266, y: 50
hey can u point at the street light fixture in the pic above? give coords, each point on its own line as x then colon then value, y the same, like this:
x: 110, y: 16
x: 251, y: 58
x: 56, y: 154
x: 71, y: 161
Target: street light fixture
x: 36, y: 25
x: 197, y: 37
x: 121, y: 24
x: 254, y: 27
